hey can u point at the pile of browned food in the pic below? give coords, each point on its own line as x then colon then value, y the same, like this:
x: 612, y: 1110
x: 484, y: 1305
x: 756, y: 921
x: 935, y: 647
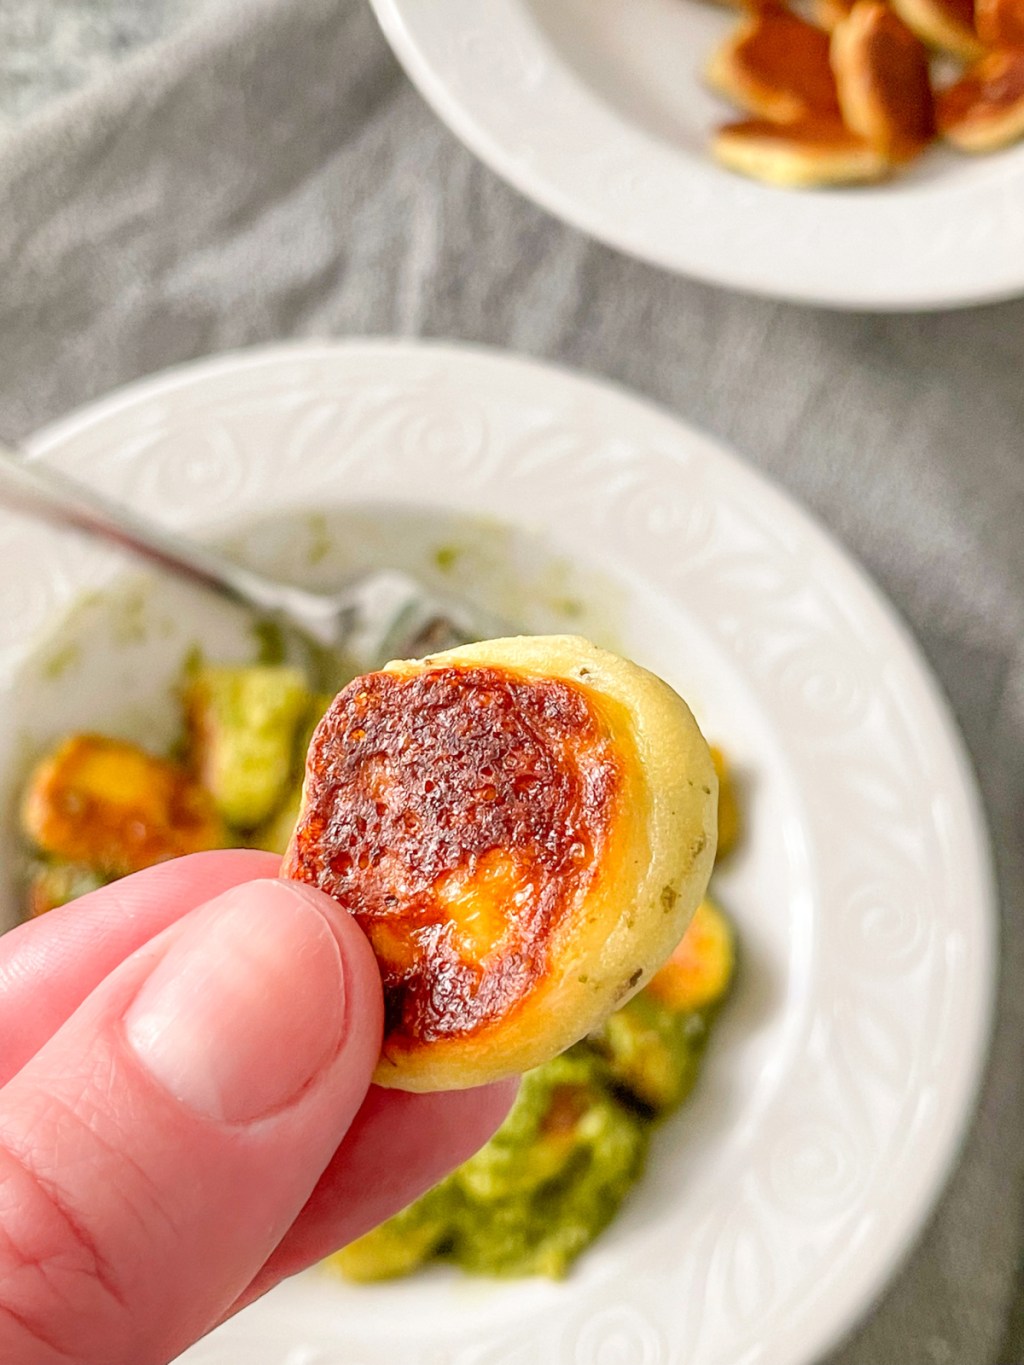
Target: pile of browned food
x: 861, y: 87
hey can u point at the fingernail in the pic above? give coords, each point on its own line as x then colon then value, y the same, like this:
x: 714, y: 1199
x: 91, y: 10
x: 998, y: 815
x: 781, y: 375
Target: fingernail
x: 247, y: 1007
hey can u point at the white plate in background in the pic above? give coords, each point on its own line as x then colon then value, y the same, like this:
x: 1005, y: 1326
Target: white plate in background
x: 843, y: 1071
x: 596, y: 110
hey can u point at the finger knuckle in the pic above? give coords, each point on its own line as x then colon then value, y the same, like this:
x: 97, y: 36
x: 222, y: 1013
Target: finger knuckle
x: 53, y: 1275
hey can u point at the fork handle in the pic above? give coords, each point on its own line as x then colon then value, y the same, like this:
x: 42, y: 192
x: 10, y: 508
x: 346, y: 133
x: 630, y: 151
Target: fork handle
x: 43, y: 492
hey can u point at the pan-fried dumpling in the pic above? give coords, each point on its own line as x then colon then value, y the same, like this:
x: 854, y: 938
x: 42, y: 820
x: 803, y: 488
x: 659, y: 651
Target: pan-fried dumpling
x: 523, y: 829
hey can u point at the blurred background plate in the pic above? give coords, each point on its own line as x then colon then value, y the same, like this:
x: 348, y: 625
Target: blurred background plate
x: 843, y: 1071
x: 596, y: 110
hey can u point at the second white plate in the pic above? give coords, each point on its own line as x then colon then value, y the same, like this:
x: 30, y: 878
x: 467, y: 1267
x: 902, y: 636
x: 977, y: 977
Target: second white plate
x: 595, y: 109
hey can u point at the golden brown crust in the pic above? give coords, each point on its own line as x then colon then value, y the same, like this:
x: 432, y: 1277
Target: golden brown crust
x: 776, y: 65
x: 522, y: 828
x: 459, y: 815
x: 111, y: 806
x: 882, y: 78
x: 798, y: 155
x: 984, y: 110
x: 944, y: 24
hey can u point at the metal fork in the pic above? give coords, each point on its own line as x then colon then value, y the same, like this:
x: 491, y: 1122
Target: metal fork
x: 379, y: 615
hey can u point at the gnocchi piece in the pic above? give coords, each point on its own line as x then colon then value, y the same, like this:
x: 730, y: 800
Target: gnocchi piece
x: 984, y: 110
x: 776, y: 66
x: 798, y: 155
x: 114, y: 808
x: 523, y: 829
x: 883, y: 81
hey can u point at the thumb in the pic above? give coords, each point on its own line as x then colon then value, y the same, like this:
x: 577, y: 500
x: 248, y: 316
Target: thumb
x: 158, y: 1147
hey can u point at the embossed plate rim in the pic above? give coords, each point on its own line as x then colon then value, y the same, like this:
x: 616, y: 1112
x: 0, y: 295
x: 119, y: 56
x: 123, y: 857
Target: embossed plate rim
x: 899, y: 246
x: 615, y: 436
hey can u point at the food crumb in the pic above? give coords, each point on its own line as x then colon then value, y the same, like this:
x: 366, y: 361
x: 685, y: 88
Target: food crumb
x: 446, y: 557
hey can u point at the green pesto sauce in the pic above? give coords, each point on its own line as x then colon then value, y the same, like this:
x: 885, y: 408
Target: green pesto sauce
x: 129, y: 626
x: 321, y: 542
x: 61, y: 661
x: 558, y: 1170
x: 243, y: 724
x: 446, y: 557
x: 270, y: 643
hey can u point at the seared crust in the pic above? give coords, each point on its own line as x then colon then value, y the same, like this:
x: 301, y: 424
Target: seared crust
x: 798, y: 155
x: 523, y: 829
x: 776, y: 65
x: 984, y: 110
x: 112, y: 807
x: 460, y: 814
x: 881, y: 72
x: 944, y: 24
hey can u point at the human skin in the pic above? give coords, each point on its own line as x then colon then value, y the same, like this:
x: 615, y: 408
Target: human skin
x: 186, y: 1114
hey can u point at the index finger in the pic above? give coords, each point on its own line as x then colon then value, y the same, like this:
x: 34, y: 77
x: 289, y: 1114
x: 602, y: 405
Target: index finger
x: 50, y: 965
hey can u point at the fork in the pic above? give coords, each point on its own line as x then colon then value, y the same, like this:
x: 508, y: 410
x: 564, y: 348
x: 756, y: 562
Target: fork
x: 375, y: 616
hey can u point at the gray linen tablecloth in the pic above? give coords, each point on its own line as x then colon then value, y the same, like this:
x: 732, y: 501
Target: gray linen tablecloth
x: 270, y: 173
x: 48, y: 47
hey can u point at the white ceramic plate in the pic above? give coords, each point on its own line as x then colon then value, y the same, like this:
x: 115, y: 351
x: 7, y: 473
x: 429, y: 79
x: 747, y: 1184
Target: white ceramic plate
x: 595, y: 109
x: 844, y: 1069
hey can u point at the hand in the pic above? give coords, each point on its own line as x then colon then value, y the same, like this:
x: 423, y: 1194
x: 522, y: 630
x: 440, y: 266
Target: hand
x: 186, y: 1114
